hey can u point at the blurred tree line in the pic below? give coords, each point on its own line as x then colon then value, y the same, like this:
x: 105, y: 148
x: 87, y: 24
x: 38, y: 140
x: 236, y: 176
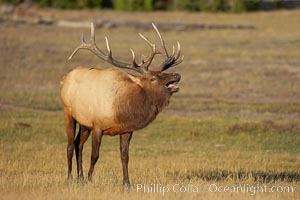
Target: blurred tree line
x: 149, y: 5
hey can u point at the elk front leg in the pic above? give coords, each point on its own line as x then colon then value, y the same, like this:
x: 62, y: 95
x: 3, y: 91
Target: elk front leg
x: 82, y: 136
x: 96, y: 142
x: 124, y: 149
x: 70, y: 125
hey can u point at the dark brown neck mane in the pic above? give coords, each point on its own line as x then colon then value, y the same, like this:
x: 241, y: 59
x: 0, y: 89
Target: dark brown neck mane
x: 139, y: 107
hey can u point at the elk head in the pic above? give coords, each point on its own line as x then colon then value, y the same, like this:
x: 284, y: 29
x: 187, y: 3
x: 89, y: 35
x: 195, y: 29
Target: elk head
x: 158, y: 81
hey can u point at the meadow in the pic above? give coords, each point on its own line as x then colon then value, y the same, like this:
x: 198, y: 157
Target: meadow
x: 234, y: 123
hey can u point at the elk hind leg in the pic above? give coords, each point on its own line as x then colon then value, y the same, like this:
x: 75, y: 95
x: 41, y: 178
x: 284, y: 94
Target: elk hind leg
x: 96, y: 142
x: 82, y: 136
x: 70, y: 125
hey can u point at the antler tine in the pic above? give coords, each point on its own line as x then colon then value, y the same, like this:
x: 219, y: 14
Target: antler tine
x: 178, y: 51
x: 82, y: 39
x: 135, y: 65
x: 143, y: 58
x: 73, y: 53
x: 93, y: 33
x: 133, y: 55
x: 178, y: 55
x: 133, y: 59
x: 173, y: 51
x: 146, y: 40
x: 108, y: 47
x: 179, y: 61
x: 79, y: 47
x: 161, y: 40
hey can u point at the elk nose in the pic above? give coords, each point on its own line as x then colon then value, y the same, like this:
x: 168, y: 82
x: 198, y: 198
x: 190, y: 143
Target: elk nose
x: 177, y: 76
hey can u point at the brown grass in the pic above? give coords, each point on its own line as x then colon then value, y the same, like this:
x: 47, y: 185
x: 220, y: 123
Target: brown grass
x: 235, y: 120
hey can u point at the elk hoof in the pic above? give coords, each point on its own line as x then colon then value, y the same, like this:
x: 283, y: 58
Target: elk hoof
x: 90, y: 178
x: 70, y: 178
x: 80, y: 179
x: 127, y: 187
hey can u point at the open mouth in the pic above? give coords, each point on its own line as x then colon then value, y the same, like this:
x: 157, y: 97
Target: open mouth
x: 172, y: 85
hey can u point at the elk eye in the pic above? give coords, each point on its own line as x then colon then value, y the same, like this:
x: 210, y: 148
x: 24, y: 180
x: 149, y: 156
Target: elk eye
x: 153, y: 78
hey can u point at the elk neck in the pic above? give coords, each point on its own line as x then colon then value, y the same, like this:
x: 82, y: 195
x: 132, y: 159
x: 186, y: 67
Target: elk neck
x: 139, y: 105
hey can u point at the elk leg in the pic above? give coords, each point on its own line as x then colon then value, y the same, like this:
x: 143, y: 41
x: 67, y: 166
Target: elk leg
x: 70, y: 125
x: 96, y: 142
x: 82, y: 136
x: 124, y: 149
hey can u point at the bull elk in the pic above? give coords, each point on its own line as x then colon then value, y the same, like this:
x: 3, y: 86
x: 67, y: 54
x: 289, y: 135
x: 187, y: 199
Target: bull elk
x: 113, y: 101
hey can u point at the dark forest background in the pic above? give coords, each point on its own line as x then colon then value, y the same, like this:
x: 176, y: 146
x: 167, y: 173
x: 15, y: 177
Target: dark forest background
x: 150, y: 5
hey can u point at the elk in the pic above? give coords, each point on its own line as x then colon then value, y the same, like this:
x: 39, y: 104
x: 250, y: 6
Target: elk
x: 113, y: 101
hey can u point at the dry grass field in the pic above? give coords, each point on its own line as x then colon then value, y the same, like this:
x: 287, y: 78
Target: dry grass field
x: 234, y: 123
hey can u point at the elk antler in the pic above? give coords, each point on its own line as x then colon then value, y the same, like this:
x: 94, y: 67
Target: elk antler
x: 107, y: 57
x: 170, y: 61
x: 143, y: 67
